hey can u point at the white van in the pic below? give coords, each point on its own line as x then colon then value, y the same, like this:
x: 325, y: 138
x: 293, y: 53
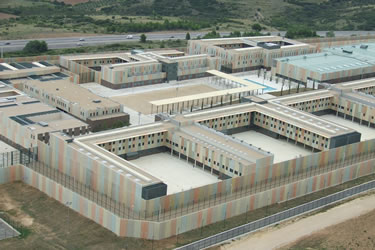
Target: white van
x: 129, y: 37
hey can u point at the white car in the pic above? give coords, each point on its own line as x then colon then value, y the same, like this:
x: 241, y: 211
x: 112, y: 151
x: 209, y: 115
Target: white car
x: 129, y: 37
x: 79, y: 44
x: 82, y: 39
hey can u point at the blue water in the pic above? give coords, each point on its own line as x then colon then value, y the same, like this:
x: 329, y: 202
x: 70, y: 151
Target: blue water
x: 268, y: 88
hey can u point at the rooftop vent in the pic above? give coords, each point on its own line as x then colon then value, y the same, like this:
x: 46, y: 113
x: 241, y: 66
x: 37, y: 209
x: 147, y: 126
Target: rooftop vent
x: 96, y: 101
x: 43, y: 124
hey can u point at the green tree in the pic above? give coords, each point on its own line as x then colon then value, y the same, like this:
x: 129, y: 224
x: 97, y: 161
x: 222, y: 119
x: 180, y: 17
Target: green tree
x: 187, y: 37
x: 330, y: 34
x: 256, y: 27
x: 35, y: 47
x: 143, y: 38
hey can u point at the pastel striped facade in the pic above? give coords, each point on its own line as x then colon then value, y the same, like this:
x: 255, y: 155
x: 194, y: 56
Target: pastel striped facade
x: 91, y: 172
x: 294, y: 50
x: 355, y: 110
x: 246, y: 58
x: 293, y: 72
x: 74, y: 78
x: 85, y: 73
x: 328, y: 42
x: 17, y: 133
x: 10, y: 174
x: 193, y: 67
x: 138, y: 73
x: 217, y: 213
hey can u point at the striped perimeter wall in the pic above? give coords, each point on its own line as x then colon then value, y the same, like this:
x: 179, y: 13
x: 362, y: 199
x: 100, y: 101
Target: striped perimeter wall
x: 165, y: 229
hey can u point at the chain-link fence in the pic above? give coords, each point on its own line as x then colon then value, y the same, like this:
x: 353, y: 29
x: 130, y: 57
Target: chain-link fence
x: 279, y: 217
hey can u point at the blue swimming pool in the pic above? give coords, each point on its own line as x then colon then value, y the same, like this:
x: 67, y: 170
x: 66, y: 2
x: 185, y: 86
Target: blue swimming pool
x: 268, y: 88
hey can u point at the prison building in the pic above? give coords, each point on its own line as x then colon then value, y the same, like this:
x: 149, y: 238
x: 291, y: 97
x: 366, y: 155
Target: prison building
x: 98, y: 112
x: 334, y: 65
x: 25, y: 120
x: 138, y: 68
x: 15, y: 70
x: 248, y: 53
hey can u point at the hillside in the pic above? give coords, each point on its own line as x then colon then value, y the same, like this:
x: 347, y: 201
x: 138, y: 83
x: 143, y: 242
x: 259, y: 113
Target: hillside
x: 122, y: 16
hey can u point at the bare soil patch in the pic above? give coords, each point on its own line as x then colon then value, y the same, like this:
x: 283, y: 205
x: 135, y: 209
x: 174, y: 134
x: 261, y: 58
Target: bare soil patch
x: 6, y: 16
x: 357, y: 233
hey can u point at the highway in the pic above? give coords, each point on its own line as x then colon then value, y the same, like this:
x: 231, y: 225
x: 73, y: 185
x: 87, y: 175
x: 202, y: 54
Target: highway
x: 73, y: 42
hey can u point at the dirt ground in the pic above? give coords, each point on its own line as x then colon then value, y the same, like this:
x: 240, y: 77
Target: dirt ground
x: 140, y: 102
x: 357, y: 233
x: 53, y: 226
x: 6, y: 16
x: 337, y: 228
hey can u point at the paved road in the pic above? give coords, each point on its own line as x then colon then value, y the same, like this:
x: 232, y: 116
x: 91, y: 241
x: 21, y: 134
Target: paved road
x: 72, y: 42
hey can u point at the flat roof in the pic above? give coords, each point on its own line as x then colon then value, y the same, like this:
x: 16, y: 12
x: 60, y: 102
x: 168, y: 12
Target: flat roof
x: 335, y: 59
x: 204, y: 95
x: 235, y: 79
x: 281, y: 112
x: 72, y: 93
x: 36, y: 111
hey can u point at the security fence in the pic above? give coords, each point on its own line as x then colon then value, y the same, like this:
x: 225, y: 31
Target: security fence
x: 279, y: 217
x: 125, y: 211
x: 17, y: 157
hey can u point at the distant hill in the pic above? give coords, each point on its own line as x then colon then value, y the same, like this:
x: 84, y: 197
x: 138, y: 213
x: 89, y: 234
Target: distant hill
x: 121, y: 16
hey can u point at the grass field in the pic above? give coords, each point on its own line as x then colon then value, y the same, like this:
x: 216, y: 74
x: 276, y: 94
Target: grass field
x: 140, y: 102
x: 24, y: 31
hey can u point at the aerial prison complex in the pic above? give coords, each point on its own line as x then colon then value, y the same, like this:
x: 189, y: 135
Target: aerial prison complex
x: 202, y: 158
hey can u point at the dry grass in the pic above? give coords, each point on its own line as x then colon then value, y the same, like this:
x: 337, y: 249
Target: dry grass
x: 140, y: 102
x: 49, y: 226
x: 23, y: 31
x: 357, y: 233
